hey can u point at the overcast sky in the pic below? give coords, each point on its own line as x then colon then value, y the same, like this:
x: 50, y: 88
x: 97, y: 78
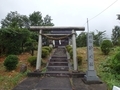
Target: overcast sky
x: 68, y: 12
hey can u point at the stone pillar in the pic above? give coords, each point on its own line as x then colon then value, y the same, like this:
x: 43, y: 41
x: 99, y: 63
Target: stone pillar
x: 91, y: 73
x: 74, y: 50
x: 39, y: 53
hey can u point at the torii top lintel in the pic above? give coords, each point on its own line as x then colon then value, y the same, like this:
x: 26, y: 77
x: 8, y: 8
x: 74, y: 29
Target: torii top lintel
x: 49, y: 28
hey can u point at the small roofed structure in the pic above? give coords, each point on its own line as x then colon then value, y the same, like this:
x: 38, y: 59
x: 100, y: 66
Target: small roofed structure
x: 63, y: 33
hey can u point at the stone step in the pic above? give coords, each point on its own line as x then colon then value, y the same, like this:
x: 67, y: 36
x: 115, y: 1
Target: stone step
x: 57, y: 68
x: 52, y: 89
x: 62, y: 57
x: 59, y: 55
x: 58, y: 73
x: 58, y: 64
x: 58, y: 60
x: 49, y: 72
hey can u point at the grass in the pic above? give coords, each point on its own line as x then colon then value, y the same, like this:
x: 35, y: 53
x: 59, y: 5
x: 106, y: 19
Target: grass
x: 110, y: 79
x: 99, y: 57
x: 9, y: 79
x: 8, y: 82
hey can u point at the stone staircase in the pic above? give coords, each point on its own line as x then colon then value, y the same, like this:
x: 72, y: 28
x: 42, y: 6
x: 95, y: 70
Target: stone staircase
x: 58, y: 65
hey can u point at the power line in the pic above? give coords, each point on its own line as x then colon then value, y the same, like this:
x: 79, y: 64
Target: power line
x: 102, y: 11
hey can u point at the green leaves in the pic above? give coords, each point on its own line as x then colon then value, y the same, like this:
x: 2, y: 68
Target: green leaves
x: 15, y: 36
x: 98, y: 38
x: 116, y: 35
x: 81, y: 40
x: 14, y: 19
x: 106, y: 46
x: 111, y: 70
x: 11, y: 40
x: 11, y: 62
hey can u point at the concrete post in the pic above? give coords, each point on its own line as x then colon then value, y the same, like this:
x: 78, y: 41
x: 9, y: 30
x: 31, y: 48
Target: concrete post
x: 91, y: 73
x: 39, y: 53
x: 74, y: 50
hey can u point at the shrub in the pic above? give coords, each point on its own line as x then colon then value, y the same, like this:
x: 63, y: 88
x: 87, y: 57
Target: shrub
x: 106, y: 46
x: 69, y: 48
x: 11, y: 62
x: 79, y: 59
x: 116, y: 62
x: 71, y: 53
x: 33, y: 59
x: 45, y: 53
x: 50, y: 49
x: 47, y: 48
x: 112, y: 64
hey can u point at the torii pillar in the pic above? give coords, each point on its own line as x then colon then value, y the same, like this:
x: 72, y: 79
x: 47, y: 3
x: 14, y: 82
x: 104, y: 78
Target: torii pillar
x: 74, y: 51
x: 39, y: 53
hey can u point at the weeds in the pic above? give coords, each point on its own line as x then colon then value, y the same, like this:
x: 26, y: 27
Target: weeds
x: 7, y: 83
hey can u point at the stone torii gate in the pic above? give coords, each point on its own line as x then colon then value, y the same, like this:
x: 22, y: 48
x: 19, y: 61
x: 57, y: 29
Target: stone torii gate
x: 52, y: 28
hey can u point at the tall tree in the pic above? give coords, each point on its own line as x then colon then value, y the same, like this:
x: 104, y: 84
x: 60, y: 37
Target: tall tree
x: 36, y: 19
x: 118, y: 16
x: 14, y: 35
x: 11, y: 40
x: 81, y: 40
x: 47, y: 21
x: 14, y: 19
x: 98, y: 37
x: 116, y: 35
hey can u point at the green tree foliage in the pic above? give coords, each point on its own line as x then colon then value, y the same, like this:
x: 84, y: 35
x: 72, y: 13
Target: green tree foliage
x: 81, y: 40
x: 11, y: 62
x: 14, y: 36
x: 106, y: 46
x: 118, y: 17
x: 36, y: 19
x: 116, y: 35
x: 11, y: 40
x: 98, y: 37
x: 14, y: 19
x: 47, y: 21
x: 31, y: 45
